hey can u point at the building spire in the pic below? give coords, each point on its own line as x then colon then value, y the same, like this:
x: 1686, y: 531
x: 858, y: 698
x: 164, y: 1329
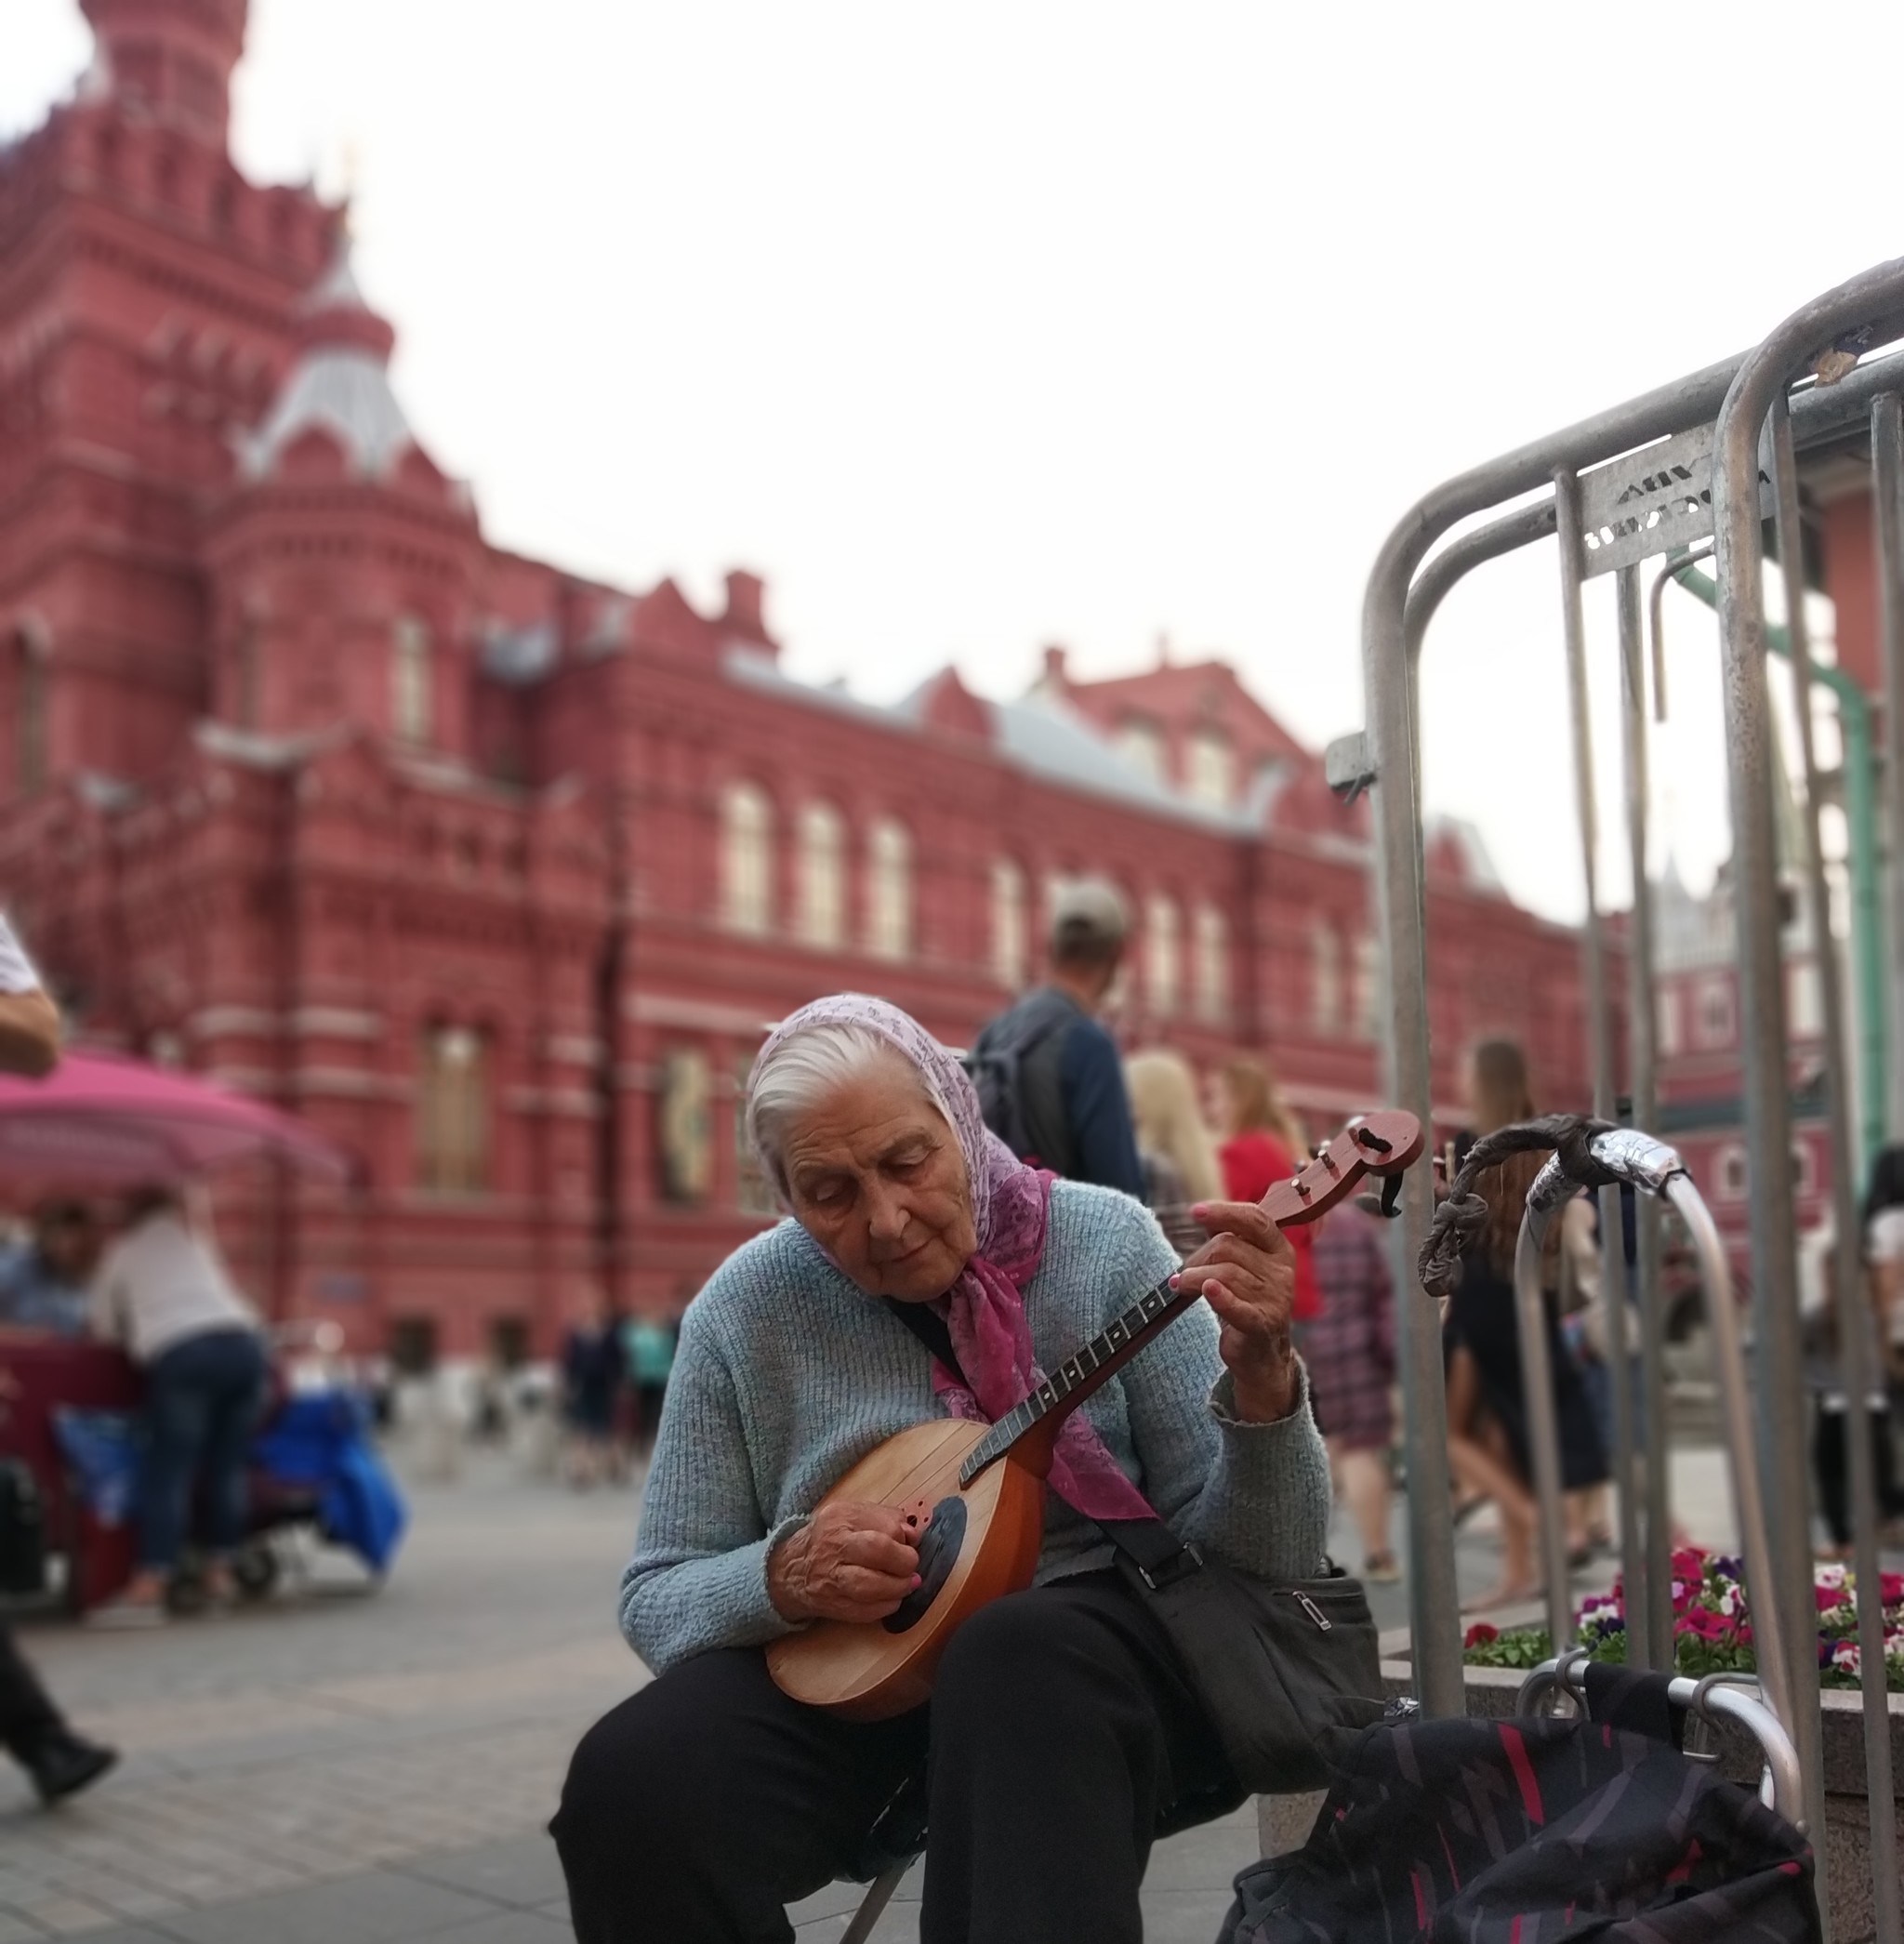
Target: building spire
x: 172, y: 58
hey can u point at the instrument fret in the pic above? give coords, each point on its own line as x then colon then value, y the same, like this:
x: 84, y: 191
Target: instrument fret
x: 1133, y: 1323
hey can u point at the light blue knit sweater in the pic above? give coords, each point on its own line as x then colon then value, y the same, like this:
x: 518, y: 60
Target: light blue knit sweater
x: 788, y: 1374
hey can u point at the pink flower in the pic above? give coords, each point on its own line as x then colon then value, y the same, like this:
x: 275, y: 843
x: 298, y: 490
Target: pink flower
x: 1480, y: 1633
x: 1688, y: 1563
x: 1704, y: 1622
x: 1891, y: 1588
x: 1830, y: 1597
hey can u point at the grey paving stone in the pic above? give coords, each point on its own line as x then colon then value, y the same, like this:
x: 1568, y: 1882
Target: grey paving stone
x: 522, y: 1872
x: 1206, y: 1858
x: 506, y: 1928
x: 119, y: 1933
x: 1184, y: 1916
x: 378, y: 1907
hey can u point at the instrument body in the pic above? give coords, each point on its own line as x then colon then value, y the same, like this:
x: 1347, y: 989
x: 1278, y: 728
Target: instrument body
x: 867, y: 1672
x: 983, y: 1485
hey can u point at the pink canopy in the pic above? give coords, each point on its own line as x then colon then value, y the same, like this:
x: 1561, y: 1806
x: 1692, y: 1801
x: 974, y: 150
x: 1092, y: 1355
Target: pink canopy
x: 100, y: 1120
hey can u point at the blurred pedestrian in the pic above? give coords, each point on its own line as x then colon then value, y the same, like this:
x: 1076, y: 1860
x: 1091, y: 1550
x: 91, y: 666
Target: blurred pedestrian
x: 1047, y: 1072
x: 164, y: 1293
x: 57, y: 1762
x: 1173, y: 1145
x: 650, y: 1344
x: 591, y: 1370
x: 1349, y: 1350
x: 43, y: 1282
x: 1821, y: 1338
x: 1883, y: 1249
x: 1487, y: 1404
x: 1261, y: 1147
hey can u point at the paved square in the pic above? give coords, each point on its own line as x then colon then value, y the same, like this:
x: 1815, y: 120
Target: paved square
x: 379, y: 1764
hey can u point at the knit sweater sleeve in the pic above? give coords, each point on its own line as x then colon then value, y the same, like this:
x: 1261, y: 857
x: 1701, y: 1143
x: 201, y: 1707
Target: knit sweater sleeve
x: 698, y: 1578
x: 1257, y: 1494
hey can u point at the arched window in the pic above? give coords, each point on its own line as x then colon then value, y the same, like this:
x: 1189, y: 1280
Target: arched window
x: 250, y: 675
x: 453, y: 1111
x: 1163, y: 955
x: 822, y: 875
x: 1008, y: 924
x: 30, y: 749
x: 747, y: 858
x: 1212, y: 768
x: 413, y: 695
x: 1325, y: 978
x: 888, y: 889
x: 1141, y: 742
x: 1213, y: 965
x: 1368, y: 986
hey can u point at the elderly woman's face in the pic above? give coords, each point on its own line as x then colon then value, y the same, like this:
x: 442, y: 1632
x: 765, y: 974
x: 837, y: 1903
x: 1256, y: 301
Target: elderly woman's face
x: 876, y: 1177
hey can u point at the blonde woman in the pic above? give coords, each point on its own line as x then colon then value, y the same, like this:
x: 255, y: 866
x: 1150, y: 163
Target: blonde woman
x: 1175, y: 1148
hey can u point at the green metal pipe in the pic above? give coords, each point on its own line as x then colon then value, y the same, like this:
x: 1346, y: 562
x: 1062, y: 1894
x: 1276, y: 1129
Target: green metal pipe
x: 1867, y: 911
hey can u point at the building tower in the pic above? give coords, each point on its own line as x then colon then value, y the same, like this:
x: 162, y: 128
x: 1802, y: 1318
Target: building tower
x: 171, y: 59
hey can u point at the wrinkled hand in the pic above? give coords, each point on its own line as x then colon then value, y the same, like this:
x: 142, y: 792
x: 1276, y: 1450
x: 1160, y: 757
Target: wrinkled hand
x: 852, y: 1561
x: 1250, y: 1284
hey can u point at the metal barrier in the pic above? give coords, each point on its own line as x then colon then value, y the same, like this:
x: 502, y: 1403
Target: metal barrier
x: 1627, y: 1158
x: 1693, y: 461
x: 1780, y: 1785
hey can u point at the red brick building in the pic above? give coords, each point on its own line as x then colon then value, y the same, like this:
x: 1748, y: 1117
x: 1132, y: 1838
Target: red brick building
x: 496, y: 873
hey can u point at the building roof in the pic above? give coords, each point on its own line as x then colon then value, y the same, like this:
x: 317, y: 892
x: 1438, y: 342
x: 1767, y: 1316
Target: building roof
x: 339, y: 385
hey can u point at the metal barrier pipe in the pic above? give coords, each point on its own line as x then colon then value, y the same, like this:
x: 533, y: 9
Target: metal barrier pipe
x: 1439, y: 578
x: 1770, y: 1638
x: 1566, y: 502
x: 1768, y: 1125
x: 1650, y: 1167
x: 1856, y: 1350
x: 1780, y: 1787
x: 1868, y: 953
x: 1542, y: 1421
x: 1651, y: 1598
x: 1887, y: 489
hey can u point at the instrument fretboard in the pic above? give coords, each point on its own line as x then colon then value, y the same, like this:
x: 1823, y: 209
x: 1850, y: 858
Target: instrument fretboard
x: 1078, y: 1376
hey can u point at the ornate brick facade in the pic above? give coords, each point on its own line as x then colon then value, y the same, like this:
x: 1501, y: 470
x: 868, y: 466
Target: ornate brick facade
x: 497, y: 873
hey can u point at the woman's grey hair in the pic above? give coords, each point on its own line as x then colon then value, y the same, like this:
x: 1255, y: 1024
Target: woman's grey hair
x: 799, y: 1074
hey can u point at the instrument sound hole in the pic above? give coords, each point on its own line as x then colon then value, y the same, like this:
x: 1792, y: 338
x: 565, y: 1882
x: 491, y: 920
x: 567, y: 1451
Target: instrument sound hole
x: 938, y: 1553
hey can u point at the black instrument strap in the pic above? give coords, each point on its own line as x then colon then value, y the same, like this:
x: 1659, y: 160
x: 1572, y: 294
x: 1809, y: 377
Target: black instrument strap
x: 1150, y: 1545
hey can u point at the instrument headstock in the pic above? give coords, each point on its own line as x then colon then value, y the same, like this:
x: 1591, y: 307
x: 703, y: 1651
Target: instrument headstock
x: 1383, y: 1143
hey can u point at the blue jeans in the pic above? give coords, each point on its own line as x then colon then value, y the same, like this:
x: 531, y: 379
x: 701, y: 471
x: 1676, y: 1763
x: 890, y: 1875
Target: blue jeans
x: 202, y: 1403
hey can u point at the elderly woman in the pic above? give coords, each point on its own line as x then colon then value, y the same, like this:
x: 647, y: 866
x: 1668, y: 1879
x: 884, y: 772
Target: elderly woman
x: 1062, y: 1729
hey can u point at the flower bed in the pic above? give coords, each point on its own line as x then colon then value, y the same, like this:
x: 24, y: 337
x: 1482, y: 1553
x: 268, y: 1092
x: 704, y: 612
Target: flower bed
x: 1711, y: 1627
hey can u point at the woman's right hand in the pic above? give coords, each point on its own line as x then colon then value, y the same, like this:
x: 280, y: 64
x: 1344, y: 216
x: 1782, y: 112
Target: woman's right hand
x: 852, y: 1561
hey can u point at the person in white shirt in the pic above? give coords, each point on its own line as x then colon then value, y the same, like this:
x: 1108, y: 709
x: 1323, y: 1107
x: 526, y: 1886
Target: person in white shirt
x: 35, y: 1733
x: 162, y: 1292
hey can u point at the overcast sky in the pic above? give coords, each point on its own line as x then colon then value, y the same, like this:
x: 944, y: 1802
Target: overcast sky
x: 973, y: 329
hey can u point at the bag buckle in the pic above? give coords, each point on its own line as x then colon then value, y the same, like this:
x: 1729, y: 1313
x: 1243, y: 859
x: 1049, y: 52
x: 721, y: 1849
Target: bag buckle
x: 1178, y: 1566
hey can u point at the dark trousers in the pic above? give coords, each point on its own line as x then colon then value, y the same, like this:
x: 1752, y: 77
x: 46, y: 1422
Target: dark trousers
x: 27, y: 1713
x: 1060, y: 1734
x: 202, y: 1402
x: 1830, y: 1452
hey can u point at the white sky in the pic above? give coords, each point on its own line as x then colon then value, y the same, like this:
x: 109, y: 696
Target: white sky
x: 973, y: 329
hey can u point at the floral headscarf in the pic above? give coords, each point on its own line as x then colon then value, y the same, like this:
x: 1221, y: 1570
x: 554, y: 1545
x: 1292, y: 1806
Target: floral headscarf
x: 984, y: 1308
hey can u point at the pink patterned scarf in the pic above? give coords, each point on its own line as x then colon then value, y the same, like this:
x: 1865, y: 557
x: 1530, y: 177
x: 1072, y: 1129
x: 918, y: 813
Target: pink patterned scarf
x: 984, y: 1308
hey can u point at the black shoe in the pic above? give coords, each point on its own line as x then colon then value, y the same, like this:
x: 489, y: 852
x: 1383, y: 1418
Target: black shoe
x: 64, y: 1765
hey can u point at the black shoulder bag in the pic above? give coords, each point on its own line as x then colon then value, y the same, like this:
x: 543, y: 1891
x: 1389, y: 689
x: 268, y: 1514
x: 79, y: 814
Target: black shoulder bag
x: 1287, y: 1671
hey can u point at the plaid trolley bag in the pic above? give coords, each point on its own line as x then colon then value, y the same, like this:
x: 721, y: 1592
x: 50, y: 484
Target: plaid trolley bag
x: 1532, y: 1830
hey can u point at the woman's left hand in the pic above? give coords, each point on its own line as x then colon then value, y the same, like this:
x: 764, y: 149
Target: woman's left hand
x: 1249, y: 1281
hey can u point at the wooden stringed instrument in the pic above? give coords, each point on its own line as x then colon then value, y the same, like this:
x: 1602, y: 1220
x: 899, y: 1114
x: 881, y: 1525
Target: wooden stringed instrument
x: 974, y: 1493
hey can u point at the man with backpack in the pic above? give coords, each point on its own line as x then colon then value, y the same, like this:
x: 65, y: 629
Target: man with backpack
x: 1047, y: 1072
